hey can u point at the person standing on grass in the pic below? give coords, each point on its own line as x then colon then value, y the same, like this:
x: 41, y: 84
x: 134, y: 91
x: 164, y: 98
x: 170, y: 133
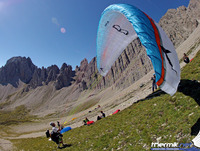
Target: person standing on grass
x: 56, y: 136
x: 154, y: 86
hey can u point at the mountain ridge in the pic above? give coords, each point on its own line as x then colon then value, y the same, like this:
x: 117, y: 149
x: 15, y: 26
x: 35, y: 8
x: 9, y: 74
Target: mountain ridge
x: 66, y: 87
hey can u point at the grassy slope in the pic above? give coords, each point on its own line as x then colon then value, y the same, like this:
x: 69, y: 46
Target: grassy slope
x: 19, y: 115
x: 170, y: 119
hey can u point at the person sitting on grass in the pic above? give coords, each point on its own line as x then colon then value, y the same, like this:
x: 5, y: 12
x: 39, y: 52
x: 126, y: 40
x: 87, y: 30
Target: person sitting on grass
x: 102, y: 116
x: 85, y: 121
x: 186, y: 58
x: 56, y: 136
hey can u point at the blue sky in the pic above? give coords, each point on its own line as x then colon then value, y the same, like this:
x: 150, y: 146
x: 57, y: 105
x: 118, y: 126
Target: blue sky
x: 57, y: 31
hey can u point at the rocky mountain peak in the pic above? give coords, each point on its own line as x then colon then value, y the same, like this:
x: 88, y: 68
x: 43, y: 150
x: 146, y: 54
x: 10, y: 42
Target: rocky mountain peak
x: 84, y: 65
x: 19, y: 59
x: 177, y: 23
x: 22, y: 68
x: 17, y: 68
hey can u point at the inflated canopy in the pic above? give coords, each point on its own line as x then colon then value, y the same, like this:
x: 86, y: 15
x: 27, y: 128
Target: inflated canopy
x: 65, y: 130
x: 119, y: 25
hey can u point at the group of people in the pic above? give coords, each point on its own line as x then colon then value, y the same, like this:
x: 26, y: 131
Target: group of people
x: 56, y: 136
x: 86, y: 120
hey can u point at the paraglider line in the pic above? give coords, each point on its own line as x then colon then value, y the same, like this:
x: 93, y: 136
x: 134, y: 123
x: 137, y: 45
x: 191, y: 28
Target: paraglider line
x: 119, y: 29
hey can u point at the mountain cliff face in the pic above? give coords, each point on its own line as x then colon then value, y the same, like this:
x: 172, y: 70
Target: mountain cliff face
x: 21, y: 68
x: 180, y: 23
x: 132, y: 64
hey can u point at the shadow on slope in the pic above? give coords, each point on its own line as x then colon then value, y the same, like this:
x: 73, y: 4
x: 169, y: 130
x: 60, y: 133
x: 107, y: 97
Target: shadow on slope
x: 187, y: 87
x: 195, y: 128
x: 152, y: 95
x: 192, y: 88
x: 14, y: 82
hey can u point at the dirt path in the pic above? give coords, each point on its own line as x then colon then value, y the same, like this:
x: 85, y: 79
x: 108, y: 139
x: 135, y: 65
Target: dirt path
x: 5, y: 145
x: 30, y: 130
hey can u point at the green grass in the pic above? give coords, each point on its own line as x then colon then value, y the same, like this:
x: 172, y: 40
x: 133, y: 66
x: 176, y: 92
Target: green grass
x: 83, y: 106
x: 19, y: 115
x: 7, y: 102
x: 172, y: 119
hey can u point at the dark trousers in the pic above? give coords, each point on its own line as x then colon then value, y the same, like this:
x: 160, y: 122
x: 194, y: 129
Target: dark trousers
x: 154, y: 86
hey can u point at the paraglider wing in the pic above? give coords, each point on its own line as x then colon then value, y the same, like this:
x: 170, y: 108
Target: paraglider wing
x: 115, y: 32
x: 65, y: 130
x: 90, y: 122
x: 116, y: 111
x: 73, y: 118
x: 171, y: 62
x: 119, y: 25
